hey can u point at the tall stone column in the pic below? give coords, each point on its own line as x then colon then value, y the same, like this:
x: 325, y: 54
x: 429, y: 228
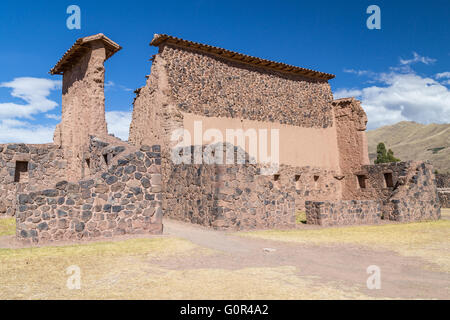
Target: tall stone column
x: 351, y: 123
x: 83, y: 99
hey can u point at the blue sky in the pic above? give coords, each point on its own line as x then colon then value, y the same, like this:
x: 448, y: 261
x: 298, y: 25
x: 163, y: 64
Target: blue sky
x: 401, y: 72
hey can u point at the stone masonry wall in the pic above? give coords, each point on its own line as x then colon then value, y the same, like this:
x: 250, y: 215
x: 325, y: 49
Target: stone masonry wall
x: 409, y: 194
x: 415, y: 197
x: 444, y: 197
x: 124, y: 199
x: 443, y: 184
x: 24, y: 168
x: 212, y: 86
x: 346, y: 212
x: 237, y: 196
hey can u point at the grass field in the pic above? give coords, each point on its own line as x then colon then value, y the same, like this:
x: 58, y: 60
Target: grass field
x: 427, y: 240
x: 157, y: 268
x: 7, y: 226
x: 133, y: 269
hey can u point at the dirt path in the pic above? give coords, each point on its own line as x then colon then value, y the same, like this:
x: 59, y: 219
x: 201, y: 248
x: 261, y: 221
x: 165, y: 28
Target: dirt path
x: 338, y: 264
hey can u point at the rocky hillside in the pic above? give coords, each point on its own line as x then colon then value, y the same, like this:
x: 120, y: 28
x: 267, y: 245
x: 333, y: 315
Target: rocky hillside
x: 414, y: 141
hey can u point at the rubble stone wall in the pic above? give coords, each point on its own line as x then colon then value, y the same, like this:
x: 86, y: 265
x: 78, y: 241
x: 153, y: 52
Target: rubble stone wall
x: 208, y: 85
x: 415, y: 198
x: 345, y: 212
x: 126, y: 199
x: 443, y: 184
x: 443, y: 180
x: 25, y: 168
x: 408, y: 194
x: 238, y: 196
x: 444, y: 197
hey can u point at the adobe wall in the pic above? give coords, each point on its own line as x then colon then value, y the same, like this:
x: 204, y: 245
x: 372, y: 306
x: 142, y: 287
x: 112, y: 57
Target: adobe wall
x: 186, y: 85
x: 298, y: 146
x: 46, y: 166
x: 352, y: 145
x: 125, y: 199
x: 83, y: 107
x: 345, y: 212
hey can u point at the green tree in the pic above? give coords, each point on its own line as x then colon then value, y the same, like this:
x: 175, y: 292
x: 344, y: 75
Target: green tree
x: 384, y: 156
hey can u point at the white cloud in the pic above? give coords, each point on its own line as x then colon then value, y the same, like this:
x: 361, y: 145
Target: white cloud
x: 119, y: 123
x: 417, y: 58
x: 16, y: 131
x: 34, y: 91
x: 442, y: 75
x: 344, y: 93
x: 403, y: 97
x: 53, y: 116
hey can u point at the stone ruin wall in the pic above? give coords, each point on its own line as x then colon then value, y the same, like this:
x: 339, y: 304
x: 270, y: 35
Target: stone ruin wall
x: 443, y: 184
x: 409, y: 195
x: 124, y: 199
x: 25, y: 168
x: 416, y: 197
x: 343, y: 212
x: 209, y: 85
x: 186, y: 81
x: 351, y: 123
x: 83, y: 107
x: 237, y: 196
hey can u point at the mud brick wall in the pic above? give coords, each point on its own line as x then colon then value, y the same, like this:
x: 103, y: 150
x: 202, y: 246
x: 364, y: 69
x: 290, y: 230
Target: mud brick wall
x: 208, y: 85
x: 24, y: 168
x: 415, y: 197
x: 346, y: 212
x: 126, y: 199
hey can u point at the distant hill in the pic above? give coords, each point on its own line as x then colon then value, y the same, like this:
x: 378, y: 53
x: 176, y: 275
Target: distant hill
x: 414, y: 141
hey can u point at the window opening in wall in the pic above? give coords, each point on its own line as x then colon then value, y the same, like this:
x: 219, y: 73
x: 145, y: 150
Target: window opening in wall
x: 88, y: 163
x: 276, y: 179
x: 297, y: 182
x: 21, y: 172
x: 105, y: 157
x: 316, y: 181
x: 362, y: 181
x: 389, y: 180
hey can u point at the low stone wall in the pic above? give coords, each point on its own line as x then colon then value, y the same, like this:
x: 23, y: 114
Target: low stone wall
x: 444, y: 197
x: 25, y: 168
x: 415, y: 197
x: 124, y: 199
x: 443, y: 180
x: 350, y: 212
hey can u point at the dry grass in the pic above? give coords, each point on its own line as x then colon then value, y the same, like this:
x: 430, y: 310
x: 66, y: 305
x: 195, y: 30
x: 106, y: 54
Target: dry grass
x: 7, y: 226
x: 300, y: 217
x: 135, y: 269
x: 428, y: 240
